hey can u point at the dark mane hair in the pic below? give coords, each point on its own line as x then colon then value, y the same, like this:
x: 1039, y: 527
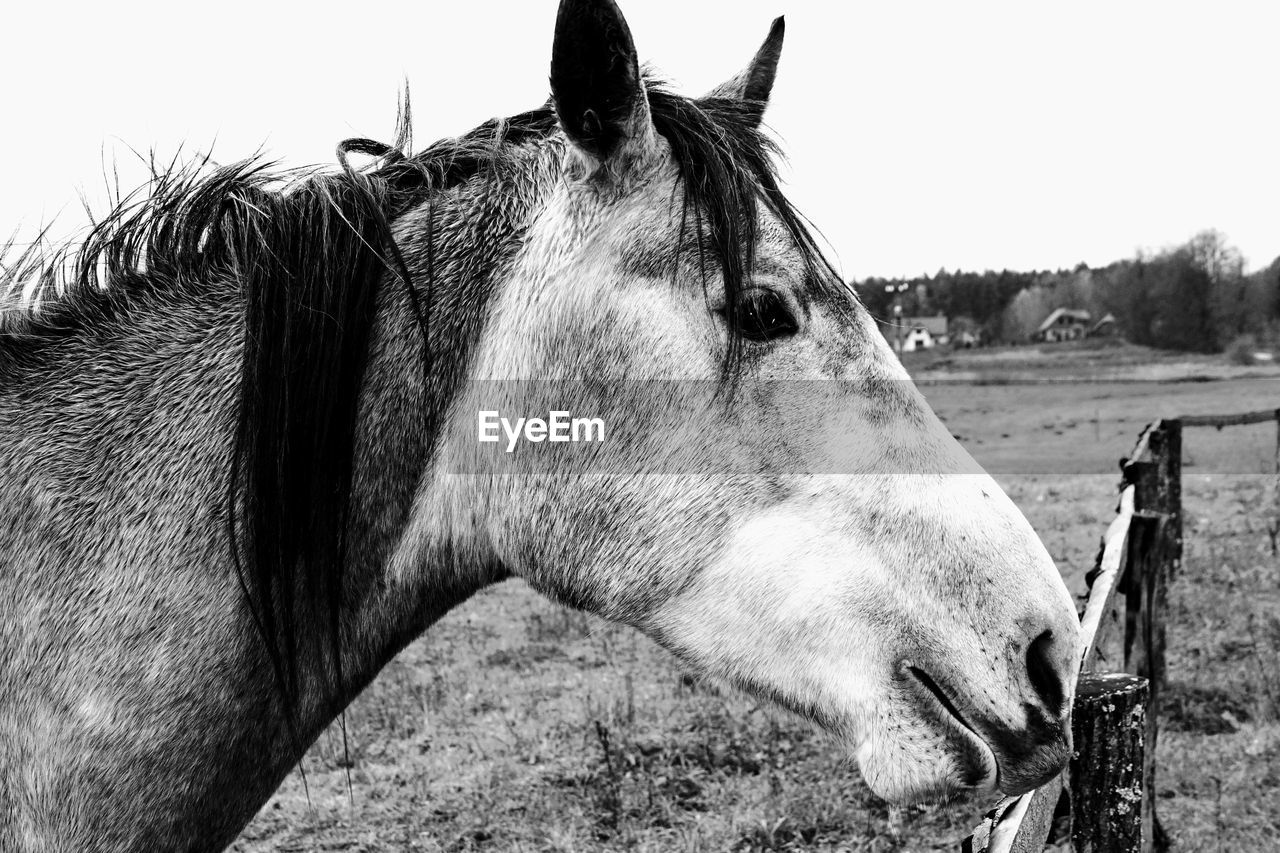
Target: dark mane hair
x: 308, y: 251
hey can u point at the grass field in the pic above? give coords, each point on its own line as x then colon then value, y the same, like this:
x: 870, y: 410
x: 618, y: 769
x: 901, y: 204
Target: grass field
x: 517, y: 725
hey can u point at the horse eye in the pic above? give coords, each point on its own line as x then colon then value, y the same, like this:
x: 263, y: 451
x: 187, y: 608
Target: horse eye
x: 763, y: 315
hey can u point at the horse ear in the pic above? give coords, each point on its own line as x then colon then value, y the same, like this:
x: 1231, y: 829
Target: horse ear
x: 755, y: 82
x: 596, y: 87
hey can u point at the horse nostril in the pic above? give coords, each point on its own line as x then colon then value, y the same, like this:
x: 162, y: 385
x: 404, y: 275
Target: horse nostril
x: 1044, y: 675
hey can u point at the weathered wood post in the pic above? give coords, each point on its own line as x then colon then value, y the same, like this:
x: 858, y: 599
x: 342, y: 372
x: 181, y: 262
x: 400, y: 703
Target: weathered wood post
x: 1122, y: 628
x: 1107, y: 770
x: 1155, y: 553
x: 1273, y: 528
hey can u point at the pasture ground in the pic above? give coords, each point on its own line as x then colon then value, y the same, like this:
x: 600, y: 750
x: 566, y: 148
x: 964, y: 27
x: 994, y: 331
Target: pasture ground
x: 517, y: 725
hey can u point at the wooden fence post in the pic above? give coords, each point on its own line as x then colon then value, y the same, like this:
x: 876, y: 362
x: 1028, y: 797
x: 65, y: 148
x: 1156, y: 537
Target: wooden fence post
x: 1155, y: 553
x: 1107, y: 770
x: 1122, y: 626
x: 1273, y: 527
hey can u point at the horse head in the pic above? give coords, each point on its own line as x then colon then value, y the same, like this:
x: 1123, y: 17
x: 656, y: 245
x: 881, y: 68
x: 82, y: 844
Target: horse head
x: 774, y: 501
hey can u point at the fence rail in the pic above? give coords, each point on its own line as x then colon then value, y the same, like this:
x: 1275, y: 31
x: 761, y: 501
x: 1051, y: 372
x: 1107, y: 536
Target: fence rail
x: 1220, y: 421
x: 1112, y: 807
x: 1245, y: 419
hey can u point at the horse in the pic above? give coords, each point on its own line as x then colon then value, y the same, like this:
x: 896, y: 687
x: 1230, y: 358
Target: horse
x: 241, y: 469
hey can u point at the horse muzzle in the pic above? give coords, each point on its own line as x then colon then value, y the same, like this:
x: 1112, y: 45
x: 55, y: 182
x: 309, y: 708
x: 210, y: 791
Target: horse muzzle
x: 1027, y: 734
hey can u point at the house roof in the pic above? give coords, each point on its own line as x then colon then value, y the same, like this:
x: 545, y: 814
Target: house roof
x: 933, y: 325
x: 1108, y: 318
x: 1077, y: 314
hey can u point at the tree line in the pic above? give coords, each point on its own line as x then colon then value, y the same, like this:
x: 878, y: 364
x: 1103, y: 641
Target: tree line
x: 1194, y: 297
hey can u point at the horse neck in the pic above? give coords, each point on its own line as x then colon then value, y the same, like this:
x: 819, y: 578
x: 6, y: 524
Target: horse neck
x: 115, y: 449
x: 457, y: 248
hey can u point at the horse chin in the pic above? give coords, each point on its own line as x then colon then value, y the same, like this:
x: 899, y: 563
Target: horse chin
x: 929, y: 764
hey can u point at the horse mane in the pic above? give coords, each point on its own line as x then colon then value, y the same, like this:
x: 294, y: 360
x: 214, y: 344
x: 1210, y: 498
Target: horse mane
x: 309, y: 250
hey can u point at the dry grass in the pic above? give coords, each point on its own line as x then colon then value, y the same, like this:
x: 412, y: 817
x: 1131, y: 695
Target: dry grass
x: 515, y: 725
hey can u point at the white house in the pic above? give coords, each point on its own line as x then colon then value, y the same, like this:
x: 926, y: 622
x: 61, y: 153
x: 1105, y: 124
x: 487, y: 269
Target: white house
x: 923, y: 332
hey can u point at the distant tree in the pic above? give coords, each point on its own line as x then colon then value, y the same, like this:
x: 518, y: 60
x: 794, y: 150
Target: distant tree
x: 1193, y: 297
x: 1026, y: 312
x: 1183, y: 294
x: 1210, y: 251
x: 1261, y: 303
x: 1234, y: 311
x: 1162, y: 301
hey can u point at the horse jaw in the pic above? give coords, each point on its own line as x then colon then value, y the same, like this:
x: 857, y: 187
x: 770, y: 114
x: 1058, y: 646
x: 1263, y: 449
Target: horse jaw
x: 805, y: 609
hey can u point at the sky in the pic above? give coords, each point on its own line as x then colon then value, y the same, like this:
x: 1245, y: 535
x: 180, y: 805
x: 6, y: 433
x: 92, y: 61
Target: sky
x: 919, y: 136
